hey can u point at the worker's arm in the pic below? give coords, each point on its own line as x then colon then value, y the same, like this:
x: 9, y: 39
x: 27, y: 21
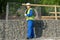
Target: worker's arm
x: 30, y: 13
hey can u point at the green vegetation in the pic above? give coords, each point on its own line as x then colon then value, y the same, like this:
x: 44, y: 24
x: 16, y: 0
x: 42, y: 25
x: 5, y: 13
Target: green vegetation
x: 4, y: 2
x: 50, y: 2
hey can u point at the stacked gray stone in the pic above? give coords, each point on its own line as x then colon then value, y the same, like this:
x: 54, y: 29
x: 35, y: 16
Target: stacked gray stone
x: 16, y: 30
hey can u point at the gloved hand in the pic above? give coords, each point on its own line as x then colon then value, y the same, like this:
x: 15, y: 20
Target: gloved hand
x: 25, y: 14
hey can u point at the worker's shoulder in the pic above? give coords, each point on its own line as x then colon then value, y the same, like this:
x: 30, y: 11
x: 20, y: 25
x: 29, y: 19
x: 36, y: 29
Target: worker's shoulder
x: 31, y: 9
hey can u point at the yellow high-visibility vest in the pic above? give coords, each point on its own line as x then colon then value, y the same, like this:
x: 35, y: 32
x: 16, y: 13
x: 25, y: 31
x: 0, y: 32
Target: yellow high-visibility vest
x: 30, y: 18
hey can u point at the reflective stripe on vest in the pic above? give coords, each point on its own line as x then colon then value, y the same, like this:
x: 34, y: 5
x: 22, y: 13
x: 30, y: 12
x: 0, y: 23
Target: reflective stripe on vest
x: 29, y: 18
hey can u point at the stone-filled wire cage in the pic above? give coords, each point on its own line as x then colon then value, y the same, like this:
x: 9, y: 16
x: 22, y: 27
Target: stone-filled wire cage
x: 15, y: 21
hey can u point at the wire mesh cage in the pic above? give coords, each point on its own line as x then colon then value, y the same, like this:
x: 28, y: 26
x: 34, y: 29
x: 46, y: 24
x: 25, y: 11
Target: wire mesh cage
x: 16, y: 11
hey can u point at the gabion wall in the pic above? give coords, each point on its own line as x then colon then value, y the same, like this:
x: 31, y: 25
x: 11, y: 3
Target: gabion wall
x: 16, y: 30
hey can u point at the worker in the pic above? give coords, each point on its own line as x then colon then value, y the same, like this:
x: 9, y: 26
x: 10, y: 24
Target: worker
x: 30, y: 21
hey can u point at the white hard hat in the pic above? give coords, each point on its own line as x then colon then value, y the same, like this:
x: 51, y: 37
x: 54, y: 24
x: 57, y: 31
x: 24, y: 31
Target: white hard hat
x: 27, y: 3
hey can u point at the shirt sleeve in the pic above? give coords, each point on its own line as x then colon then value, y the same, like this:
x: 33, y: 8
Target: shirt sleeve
x: 30, y: 13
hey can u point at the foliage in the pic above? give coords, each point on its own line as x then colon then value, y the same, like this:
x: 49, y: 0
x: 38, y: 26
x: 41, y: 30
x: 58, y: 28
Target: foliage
x: 4, y: 2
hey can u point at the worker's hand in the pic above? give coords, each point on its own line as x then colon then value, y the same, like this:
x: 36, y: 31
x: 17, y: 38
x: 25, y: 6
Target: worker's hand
x: 25, y: 14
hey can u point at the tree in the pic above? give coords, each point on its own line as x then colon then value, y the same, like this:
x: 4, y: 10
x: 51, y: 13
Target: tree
x: 4, y: 2
x: 3, y: 7
x: 50, y: 2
